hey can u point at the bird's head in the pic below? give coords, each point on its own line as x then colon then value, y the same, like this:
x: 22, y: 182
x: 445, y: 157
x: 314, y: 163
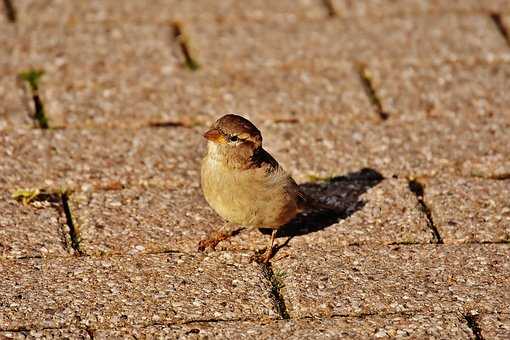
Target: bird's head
x: 233, y: 137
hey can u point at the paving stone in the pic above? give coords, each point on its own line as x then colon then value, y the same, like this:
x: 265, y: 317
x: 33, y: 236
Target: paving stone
x: 330, y: 150
x: 492, y: 166
x: 494, y: 326
x: 101, y: 159
x: 406, y: 149
x: 15, y: 109
x: 145, y: 220
x: 95, y: 159
x: 455, y: 37
x: 151, y: 220
x: 361, y: 280
x: 471, y: 100
x: 288, y: 92
x: 166, y: 10
x: 474, y: 146
x: 284, y: 92
x: 448, y: 325
x: 495, y: 6
x: 32, y: 12
x: 12, y: 110
x: 263, y: 10
x: 145, y: 171
x: 126, y: 79
x: 131, y: 291
x: 447, y: 89
x: 401, y: 7
x: 96, y: 71
x: 130, y: 89
x: 7, y: 38
x: 469, y: 209
x: 33, y: 230
x: 47, y: 334
x: 377, y: 213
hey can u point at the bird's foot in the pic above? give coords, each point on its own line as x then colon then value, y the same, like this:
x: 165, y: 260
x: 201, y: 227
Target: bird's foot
x: 262, y: 256
x: 213, y: 241
x: 267, y: 256
x: 210, y: 242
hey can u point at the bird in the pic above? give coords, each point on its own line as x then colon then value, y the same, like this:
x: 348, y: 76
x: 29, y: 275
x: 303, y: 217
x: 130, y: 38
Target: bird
x: 244, y: 184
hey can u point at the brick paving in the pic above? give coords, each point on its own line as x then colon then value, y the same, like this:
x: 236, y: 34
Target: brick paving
x: 395, y: 112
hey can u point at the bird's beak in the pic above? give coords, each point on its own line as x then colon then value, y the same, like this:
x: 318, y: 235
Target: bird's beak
x: 213, y: 135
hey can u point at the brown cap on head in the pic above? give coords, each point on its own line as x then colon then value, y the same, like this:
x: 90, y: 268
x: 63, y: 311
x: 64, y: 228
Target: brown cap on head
x: 234, y: 125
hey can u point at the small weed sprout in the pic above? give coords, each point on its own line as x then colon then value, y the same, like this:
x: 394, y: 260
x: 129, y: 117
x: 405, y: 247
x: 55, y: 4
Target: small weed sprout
x: 33, y: 77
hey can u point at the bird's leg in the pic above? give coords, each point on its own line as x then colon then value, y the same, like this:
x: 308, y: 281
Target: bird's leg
x: 269, y: 251
x: 224, y: 233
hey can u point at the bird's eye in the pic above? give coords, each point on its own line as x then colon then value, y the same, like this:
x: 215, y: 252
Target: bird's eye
x: 233, y: 138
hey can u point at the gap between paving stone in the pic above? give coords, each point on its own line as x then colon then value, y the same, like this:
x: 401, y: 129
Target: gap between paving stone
x: 469, y: 210
x: 418, y: 190
x: 182, y: 39
x: 393, y: 324
x: 472, y: 322
x: 330, y: 8
x: 10, y: 11
x: 370, y: 91
x: 500, y: 25
x: 35, y: 230
x: 277, y: 282
x: 60, y: 197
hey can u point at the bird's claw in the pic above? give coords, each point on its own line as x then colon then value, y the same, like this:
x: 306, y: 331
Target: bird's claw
x: 207, y: 243
x: 211, y: 242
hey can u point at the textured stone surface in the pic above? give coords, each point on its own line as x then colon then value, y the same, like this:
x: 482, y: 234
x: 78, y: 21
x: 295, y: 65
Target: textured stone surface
x: 497, y: 6
x: 47, y: 334
x: 112, y: 68
x: 37, y: 229
x: 162, y: 11
x: 98, y: 94
x: 15, y: 109
x: 448, y: 89
x: 94, y: 11
x: 101, y: 159
x: 361, y: 280
x: 284, y: 92
x: 289, y: 92
x: 469, y: 210
x: 97, y: 71
x: 132, y: 73
x: 494, y: 326
x: 394, y: 147
x: 137, y: 291
x: 144, y: 220
x: 376, y: 213
x: 418, y: 325
x: 440, y: 145
x: 466, y: 37
x: 401, y: 7
x: 283, y: 10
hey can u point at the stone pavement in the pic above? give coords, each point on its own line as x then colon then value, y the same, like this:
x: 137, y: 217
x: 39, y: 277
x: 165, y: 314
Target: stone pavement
x: 398, y: 112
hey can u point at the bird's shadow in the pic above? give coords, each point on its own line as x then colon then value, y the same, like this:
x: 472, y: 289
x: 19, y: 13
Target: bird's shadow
x: 341, y: 193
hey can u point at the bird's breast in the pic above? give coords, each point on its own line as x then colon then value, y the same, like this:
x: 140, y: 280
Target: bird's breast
x: 248, y: 197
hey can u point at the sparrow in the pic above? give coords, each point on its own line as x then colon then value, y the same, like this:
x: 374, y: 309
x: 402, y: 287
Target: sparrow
x: 243, y: 183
